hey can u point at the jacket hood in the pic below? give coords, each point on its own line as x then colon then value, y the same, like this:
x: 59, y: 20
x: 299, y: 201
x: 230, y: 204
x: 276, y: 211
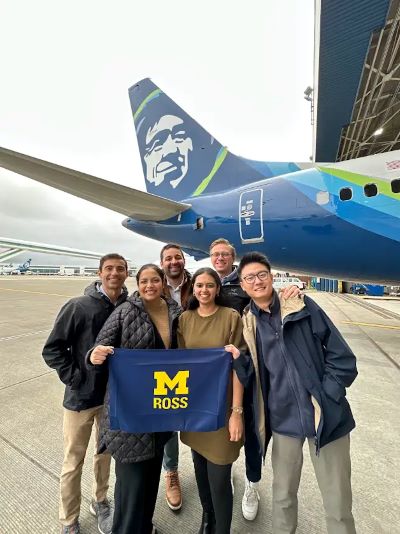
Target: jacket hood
x: 288, y: 306
x: 93, y: 291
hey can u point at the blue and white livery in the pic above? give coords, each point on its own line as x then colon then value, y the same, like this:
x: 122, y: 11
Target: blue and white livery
x: 339, y: 220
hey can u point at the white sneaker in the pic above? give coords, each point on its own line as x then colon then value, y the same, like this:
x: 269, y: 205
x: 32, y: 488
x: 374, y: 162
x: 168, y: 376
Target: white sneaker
x: 250, y: 501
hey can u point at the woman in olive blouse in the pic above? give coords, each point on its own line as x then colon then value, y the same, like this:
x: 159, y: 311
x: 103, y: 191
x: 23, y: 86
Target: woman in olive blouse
x: 206, y: 324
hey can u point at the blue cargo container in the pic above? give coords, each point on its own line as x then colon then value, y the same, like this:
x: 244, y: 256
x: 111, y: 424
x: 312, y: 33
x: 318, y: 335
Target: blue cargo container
x: 374, y: 290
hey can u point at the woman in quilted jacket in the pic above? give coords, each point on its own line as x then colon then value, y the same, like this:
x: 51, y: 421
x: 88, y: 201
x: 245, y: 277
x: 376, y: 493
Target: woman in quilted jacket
x: 147, y: 320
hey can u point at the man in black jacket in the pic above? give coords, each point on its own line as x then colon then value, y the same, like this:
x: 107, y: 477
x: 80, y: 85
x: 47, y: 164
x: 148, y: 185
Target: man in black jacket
x: 223, y: 254
x: 74, y: 333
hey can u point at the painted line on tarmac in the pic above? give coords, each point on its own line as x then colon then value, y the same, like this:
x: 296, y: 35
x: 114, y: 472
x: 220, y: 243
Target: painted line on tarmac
x: 17, y: 336
x: 389, y: 327
x: 30, y: 458
x: 36, y: 292
x: 36, y: 463
x: 26, y: 380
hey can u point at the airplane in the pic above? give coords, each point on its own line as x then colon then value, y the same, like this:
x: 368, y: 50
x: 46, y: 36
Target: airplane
x: 338, y: 220
x: 11, y: 269
x: 6, y: 269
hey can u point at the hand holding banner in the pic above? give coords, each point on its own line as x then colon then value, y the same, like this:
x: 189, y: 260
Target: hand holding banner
x: 163, y: 390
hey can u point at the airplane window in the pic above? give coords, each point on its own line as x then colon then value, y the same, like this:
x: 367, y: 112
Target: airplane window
x: 199, y: 224
x: 322, y: 197
x: 370, y: 190
x: 396, y: 185
x: 345, y: 193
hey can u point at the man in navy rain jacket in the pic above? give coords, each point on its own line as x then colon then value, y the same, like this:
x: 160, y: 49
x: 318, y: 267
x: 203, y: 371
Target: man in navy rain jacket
x: 299, y: 370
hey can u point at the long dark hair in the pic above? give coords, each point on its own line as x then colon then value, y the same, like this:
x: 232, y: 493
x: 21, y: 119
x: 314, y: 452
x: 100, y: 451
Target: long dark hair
x: 193, y: 303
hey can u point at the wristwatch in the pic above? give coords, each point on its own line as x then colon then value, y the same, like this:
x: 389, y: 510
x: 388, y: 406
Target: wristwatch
x: 237, y: 409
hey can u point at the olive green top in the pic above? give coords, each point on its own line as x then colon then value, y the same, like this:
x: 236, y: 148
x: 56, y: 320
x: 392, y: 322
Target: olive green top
x: 217, y: 330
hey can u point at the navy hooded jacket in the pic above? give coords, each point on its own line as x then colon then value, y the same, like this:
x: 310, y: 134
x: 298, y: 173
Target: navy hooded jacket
x: 325, y: 363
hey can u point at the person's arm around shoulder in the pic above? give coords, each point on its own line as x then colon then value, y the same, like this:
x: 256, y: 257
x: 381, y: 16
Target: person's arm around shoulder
x: 340, y: 362
x: 290, y: 292
x: 57, y: 351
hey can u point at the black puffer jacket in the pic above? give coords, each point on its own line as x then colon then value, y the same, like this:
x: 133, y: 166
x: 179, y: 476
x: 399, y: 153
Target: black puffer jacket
x: 232, y: 294
x: 74, y: 332
x: 130, y: 327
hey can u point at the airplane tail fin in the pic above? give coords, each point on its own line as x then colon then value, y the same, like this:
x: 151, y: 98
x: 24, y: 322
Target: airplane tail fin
x: 180, y: 158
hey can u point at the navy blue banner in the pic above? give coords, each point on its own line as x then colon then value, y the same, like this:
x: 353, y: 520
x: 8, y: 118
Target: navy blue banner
x: 162, y: 390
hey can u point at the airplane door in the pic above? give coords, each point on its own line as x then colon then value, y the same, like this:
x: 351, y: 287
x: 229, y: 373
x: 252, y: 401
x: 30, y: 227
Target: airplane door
x: 250, y: 216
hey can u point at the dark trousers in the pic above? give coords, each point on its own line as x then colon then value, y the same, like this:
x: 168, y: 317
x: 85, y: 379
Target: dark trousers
x: 135, y: 495
x: 215, y: 490
x: 251, y: 445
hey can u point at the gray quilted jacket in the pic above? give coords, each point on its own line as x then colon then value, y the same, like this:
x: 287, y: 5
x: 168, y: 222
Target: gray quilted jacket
x: 130, y: 327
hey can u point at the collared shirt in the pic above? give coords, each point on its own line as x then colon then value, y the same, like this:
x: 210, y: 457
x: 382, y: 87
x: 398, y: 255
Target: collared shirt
x: 290, y: 411
x: 101, y: 290
x: 175, y: 292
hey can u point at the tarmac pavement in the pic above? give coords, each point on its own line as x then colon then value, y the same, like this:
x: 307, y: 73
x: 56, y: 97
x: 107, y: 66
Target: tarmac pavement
x: 31, y: 424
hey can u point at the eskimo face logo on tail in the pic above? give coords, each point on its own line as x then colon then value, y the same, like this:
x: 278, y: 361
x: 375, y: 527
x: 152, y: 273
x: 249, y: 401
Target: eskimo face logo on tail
x: 167, y: 151
x: 179, y: 157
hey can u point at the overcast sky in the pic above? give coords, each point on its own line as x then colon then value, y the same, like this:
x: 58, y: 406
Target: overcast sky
x: 239, y: 68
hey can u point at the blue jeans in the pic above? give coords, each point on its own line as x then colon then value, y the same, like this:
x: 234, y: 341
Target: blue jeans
x: 171, y: 453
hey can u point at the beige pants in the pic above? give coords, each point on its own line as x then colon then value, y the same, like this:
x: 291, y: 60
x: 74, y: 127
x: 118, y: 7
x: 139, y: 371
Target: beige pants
x: 77, y: 428
x: 333, y: 472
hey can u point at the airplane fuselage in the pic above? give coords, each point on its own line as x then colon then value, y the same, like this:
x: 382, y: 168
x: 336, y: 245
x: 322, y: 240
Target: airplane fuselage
x: 299, y: 221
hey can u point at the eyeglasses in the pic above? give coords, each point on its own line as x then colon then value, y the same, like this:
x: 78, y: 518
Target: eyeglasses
x: 251, y: 278
x: 222, y: 254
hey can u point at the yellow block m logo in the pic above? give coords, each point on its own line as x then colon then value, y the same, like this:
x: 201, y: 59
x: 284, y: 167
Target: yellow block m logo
x: 178, y: 382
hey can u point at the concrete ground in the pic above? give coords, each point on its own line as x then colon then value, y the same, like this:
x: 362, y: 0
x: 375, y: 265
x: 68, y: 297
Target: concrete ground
x: 31, y: 424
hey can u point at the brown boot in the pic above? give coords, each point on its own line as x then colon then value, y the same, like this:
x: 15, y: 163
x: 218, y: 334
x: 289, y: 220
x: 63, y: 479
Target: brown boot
x: 173, y: 492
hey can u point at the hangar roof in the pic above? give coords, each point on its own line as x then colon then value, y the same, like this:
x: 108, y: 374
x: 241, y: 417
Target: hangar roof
x: 356, y: 63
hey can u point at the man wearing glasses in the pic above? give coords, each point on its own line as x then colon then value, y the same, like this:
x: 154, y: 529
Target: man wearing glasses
x: 299, y: 370
x: 223, y: 254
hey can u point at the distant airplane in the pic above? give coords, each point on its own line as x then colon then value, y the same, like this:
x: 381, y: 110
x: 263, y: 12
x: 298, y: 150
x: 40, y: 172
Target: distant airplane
x: 20, y: 269
x: 6, y: 269
x: 339, y: 220
x: 24, y: 267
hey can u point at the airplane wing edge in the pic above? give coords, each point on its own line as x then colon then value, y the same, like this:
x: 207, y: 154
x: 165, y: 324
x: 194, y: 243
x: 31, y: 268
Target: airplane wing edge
x: 116, y: 197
